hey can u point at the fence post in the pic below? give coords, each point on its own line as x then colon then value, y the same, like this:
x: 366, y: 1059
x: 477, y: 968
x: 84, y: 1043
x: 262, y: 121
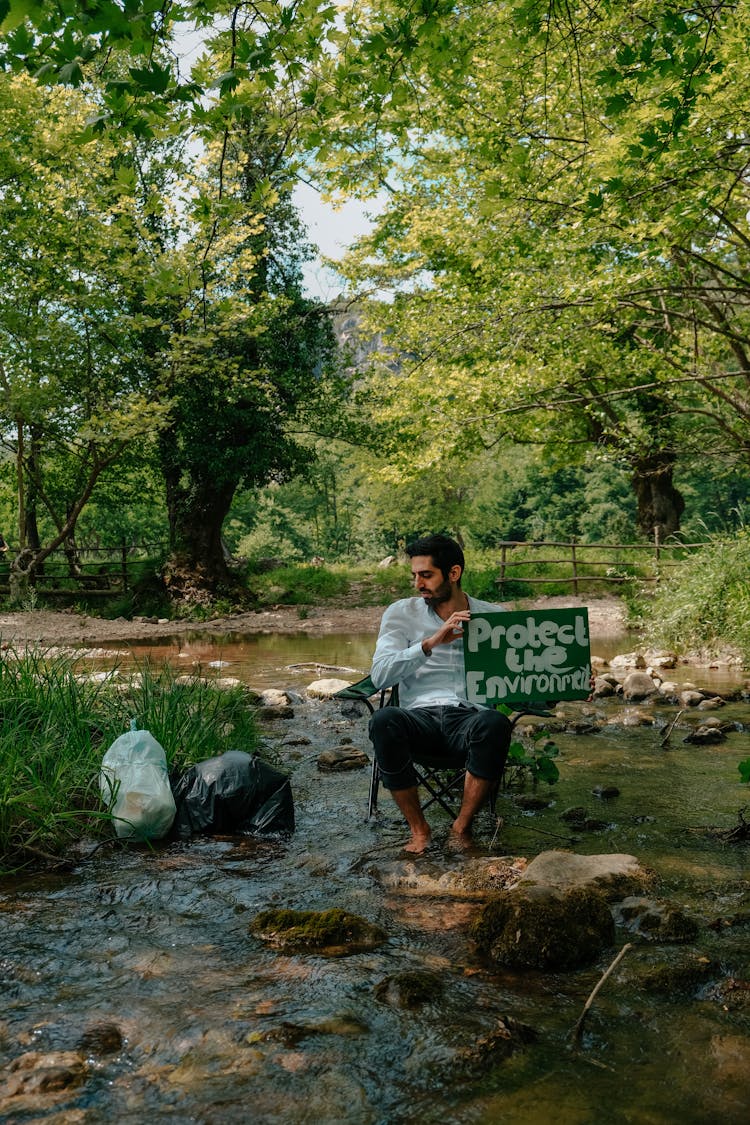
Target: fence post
x: 503, y: 557
x: 124, y: 565
x: 575, y: 566
x: 657, y: 551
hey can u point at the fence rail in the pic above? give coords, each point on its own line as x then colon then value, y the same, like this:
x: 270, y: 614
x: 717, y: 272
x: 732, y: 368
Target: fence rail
x: 583, y: 569
x: 91, y: 570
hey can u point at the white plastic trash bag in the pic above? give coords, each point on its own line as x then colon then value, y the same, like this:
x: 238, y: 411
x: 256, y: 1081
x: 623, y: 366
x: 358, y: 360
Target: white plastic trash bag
x: 134, y: 785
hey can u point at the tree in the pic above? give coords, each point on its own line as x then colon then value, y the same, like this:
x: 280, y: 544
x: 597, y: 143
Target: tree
x: 566, y: 224
x: 247, y: 363
x: 70, y: 391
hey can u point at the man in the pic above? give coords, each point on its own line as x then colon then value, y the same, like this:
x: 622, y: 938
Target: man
x: 420, y: 648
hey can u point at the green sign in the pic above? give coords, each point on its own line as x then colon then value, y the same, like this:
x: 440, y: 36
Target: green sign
x: 530, y: 654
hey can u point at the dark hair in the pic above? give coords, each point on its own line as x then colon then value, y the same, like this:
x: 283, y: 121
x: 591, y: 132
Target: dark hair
x: 444, y: 552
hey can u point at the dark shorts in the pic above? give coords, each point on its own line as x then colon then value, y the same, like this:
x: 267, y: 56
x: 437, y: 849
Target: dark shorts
x: 475, y: 737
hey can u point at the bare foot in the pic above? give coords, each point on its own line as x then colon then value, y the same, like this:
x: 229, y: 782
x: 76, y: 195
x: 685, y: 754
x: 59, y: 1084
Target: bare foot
x: 458, y: 841
x: 419, y: 843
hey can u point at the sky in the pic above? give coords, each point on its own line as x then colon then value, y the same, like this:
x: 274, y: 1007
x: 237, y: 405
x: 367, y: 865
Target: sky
x: 331, y: 229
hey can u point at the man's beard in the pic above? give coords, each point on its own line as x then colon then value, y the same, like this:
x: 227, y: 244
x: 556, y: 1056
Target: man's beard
x: 442, y: 594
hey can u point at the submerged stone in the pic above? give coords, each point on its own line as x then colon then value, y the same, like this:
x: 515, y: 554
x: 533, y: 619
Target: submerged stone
x: 509, y: 1035
x: 656, y: 921
x: 341, y: 758
x: 410, y: 989
x: 332, y: 931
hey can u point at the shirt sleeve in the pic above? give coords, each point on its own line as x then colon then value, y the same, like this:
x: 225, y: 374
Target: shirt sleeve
x: 397, y: 655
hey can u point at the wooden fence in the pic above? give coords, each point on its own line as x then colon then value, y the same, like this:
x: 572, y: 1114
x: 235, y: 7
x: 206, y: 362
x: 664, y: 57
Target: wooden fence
x: 96, y: 571
x: 578, y: 566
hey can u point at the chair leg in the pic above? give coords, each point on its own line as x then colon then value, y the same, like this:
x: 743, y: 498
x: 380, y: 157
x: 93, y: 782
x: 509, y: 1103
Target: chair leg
x: 441, y: 791
x: 372, y: 805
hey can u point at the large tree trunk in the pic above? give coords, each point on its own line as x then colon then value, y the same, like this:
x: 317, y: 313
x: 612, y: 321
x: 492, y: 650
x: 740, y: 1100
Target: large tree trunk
x: 196, y: 569
x: 660, y: 504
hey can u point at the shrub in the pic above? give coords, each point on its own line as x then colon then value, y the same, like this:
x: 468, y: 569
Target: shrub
x: 705, y: 605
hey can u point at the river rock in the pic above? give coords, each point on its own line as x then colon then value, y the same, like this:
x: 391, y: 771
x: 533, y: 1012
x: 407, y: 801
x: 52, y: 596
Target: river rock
x: 274, y: 697
x: 36, y: 1074
x: 605, y: 792
x: 274, y: 712
x: 603, y: 687
x: 637, y: 718
x: 325, y: 931
x: 705, y: 735
x: 656, y: 921
x: 614, y: 875
x: 638, y: 686
x: 711, y: 704
x: 410, y: 989
x: 686, y: 974
x: 690, y: 698
x: 100, y: 1039
x: 628, y: 660
x: 509, y: 1035
x: 662, y: 659
x: 473, y: 879
x: 326, y: 688
x: 530, y: 802
x: 342, y: 758
x: 542, y: 927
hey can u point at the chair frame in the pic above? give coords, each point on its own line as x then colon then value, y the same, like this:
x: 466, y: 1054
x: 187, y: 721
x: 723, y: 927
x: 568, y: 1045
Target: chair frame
x: 363, y: 691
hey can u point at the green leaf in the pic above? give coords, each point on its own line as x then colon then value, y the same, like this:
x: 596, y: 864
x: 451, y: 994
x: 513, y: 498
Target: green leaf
x: 617, y: 103
x: 71, y: 73
x: 547, y: 770
x: 14, y: 12
x: 744, y: 768
x: 153, y: 78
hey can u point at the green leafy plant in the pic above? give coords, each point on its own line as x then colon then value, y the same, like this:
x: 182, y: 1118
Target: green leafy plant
x: 535, y: 763
x: 744, y: 768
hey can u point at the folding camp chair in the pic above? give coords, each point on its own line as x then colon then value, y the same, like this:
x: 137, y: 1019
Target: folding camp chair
x: 442, y: 782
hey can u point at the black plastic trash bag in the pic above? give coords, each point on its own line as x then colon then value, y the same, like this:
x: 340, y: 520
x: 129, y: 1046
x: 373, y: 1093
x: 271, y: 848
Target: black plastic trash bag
x: 234, y: 792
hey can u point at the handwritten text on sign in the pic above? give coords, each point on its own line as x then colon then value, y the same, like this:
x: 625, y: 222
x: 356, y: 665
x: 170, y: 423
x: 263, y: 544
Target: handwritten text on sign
x: 533, y: 654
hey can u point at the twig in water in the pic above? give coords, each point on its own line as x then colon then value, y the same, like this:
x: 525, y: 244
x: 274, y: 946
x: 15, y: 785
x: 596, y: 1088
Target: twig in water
x: 543, y: 832
x: 670, y: 728
x: 578, y: 1029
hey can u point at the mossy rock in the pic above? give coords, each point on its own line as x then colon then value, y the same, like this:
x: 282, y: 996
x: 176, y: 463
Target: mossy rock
x: 657, y: 921
x: 335, y: 932
x: 686, y: 975
x: 509, y: 1036
x: 410, y: 989
x: 537, y: 927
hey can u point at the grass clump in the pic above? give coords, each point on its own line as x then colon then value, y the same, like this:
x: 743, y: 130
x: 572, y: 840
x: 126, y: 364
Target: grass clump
x: 705, y: 606
x: 300, y: 585
x: 56, y: 725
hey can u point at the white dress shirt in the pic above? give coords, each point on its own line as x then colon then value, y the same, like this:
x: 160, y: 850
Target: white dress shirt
x: 423, y: 681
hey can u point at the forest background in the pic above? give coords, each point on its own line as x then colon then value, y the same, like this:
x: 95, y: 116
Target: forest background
x: 544, y: 335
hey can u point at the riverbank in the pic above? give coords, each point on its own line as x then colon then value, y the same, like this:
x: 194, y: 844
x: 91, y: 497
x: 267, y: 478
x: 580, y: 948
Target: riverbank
x: 607, y: 616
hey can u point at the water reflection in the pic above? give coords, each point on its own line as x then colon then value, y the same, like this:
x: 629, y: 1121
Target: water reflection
x: 292, y: 660
x: 266, y: 660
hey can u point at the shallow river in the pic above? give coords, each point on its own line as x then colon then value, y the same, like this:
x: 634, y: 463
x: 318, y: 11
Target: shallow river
x: 217, y: 1027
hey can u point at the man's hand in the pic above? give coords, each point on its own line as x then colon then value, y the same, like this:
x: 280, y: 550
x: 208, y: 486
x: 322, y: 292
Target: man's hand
x: 450, y: 631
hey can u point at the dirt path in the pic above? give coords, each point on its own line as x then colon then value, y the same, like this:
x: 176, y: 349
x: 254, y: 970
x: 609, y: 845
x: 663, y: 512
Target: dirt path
x: 606, y: 616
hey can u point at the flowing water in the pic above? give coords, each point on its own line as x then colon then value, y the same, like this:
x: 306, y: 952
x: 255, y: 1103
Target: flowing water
x: 216, y: 1026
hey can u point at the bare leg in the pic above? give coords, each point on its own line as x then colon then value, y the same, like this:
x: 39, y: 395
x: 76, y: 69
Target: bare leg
x: 476, y: 792
x: 408, y: 801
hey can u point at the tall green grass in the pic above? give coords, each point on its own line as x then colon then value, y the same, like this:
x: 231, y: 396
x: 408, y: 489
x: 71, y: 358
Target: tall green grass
x: 705, y: 605
x: 55, y: 727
